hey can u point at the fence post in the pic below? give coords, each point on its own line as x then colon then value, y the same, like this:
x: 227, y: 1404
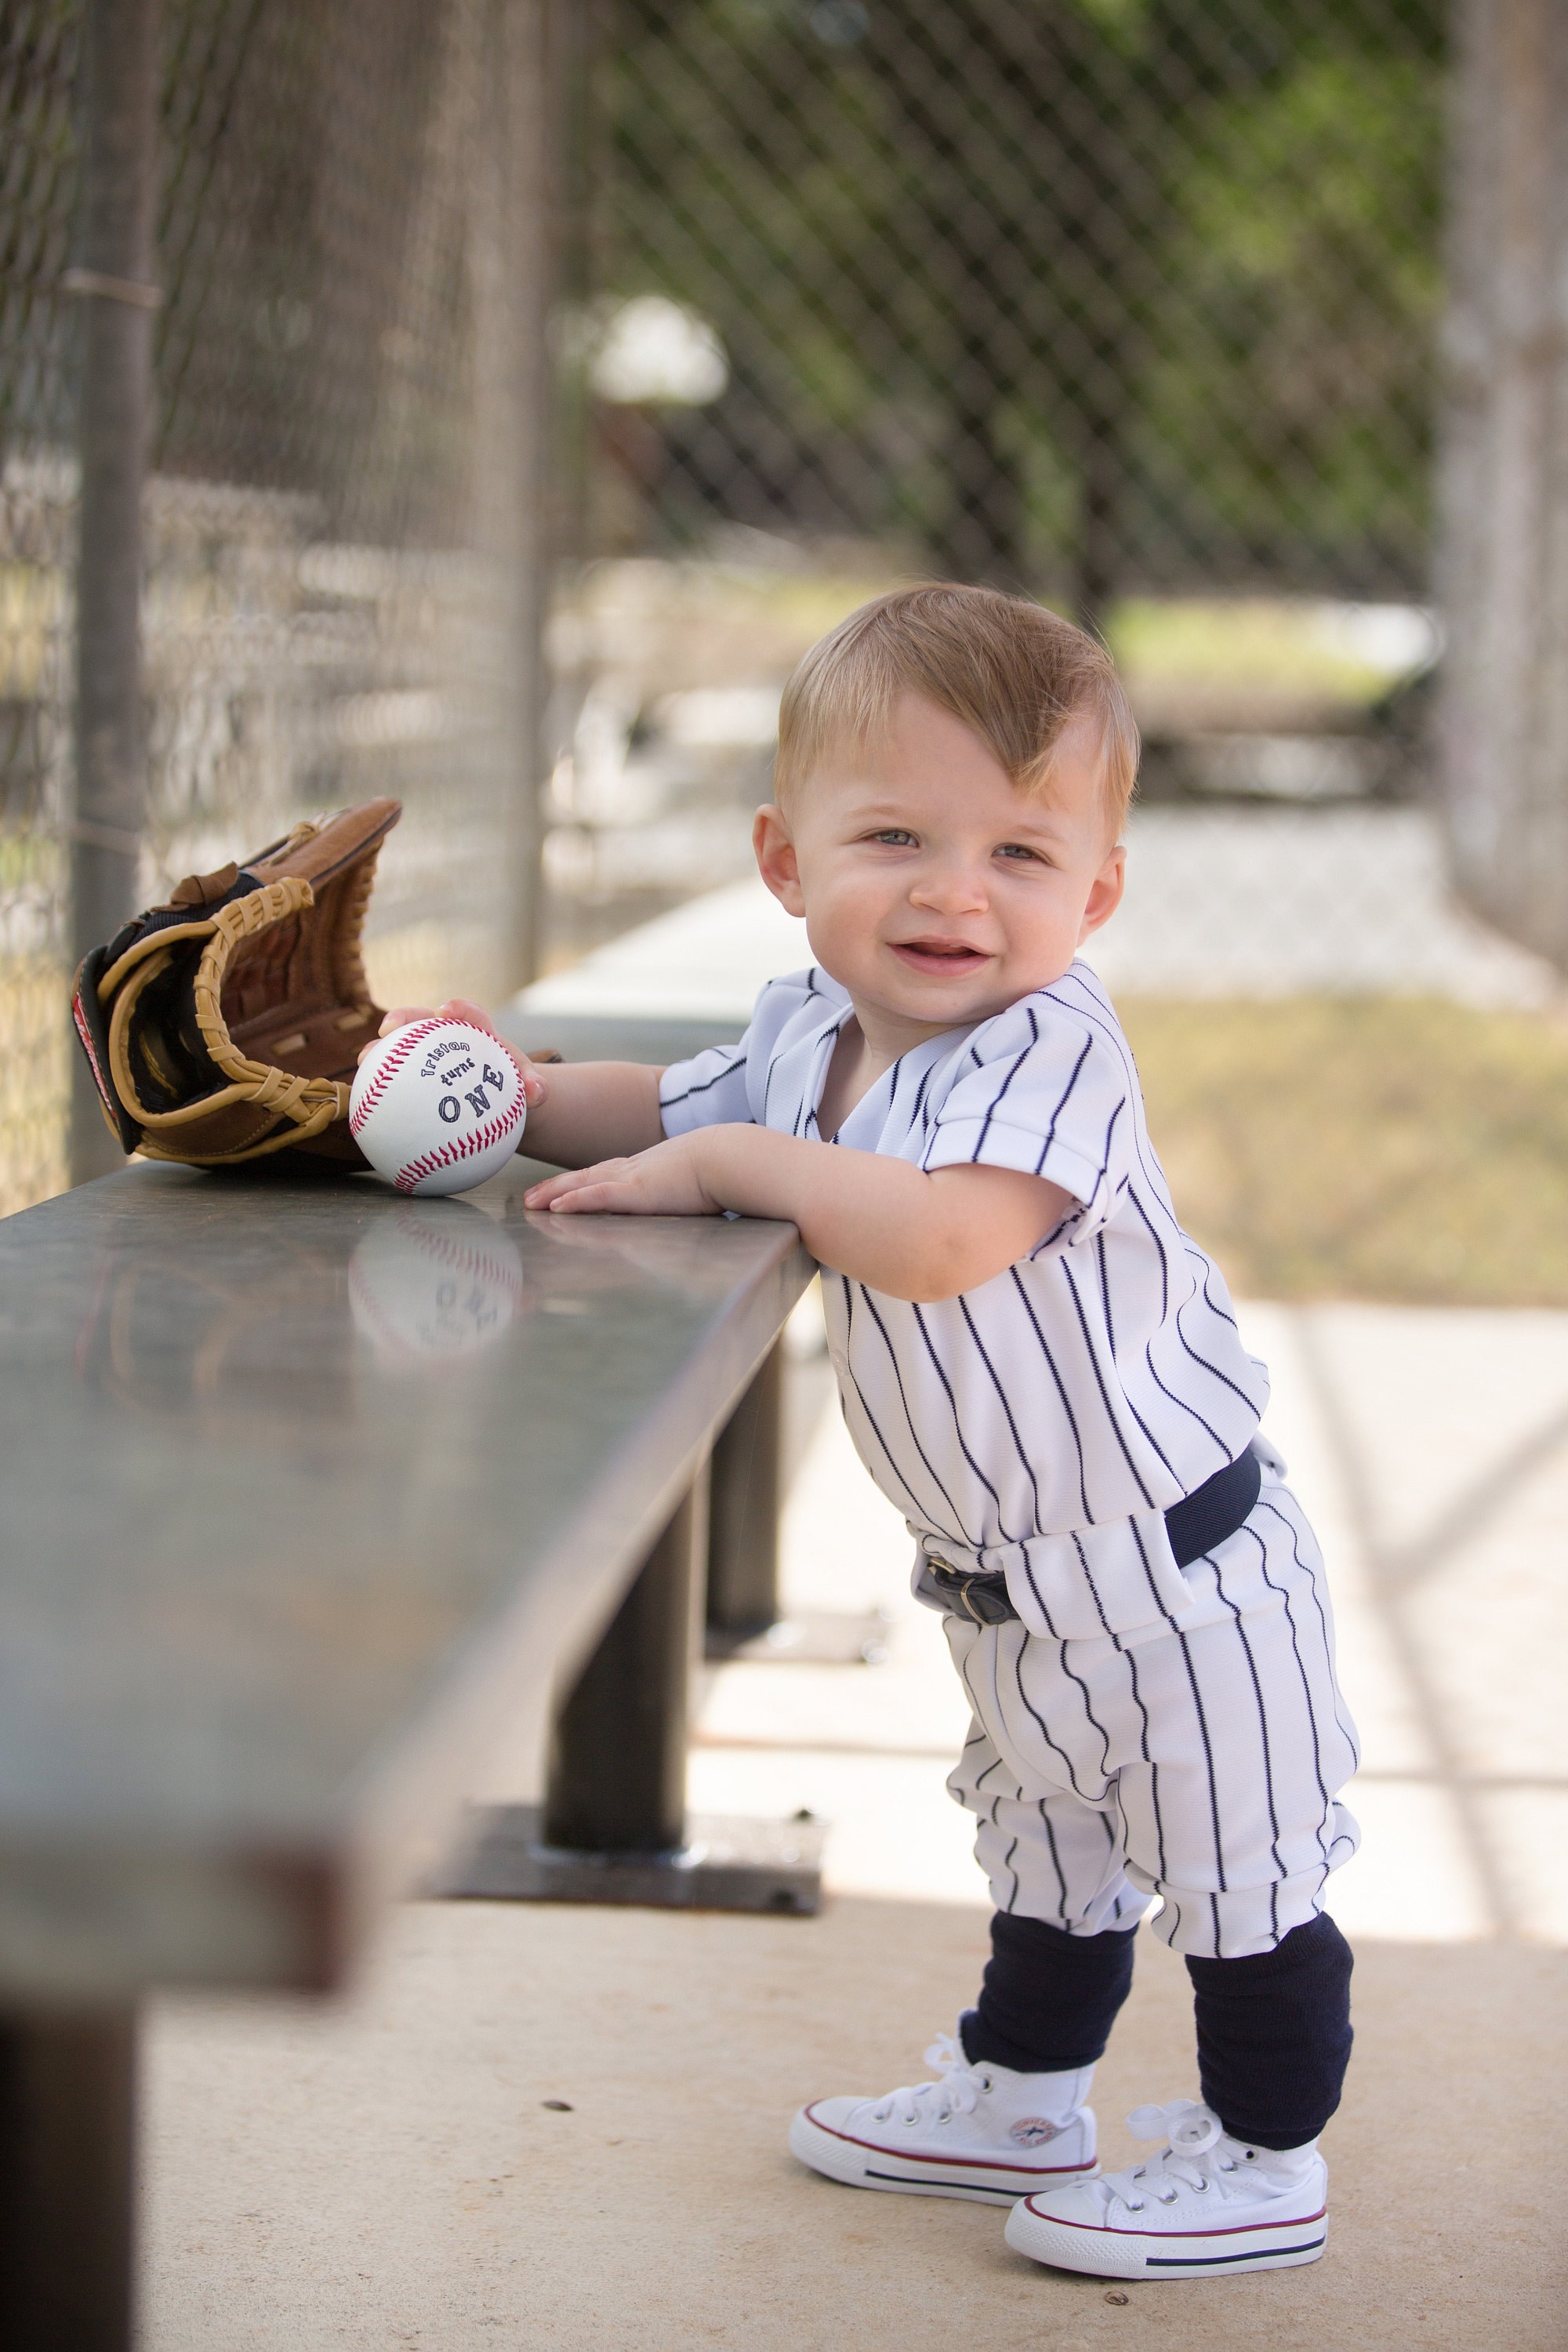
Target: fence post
x: 517, y: 274
x: 1503, y: 495
x: 113, y: 279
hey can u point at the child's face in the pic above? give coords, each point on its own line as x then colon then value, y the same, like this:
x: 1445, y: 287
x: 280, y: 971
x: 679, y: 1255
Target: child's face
x: 932, y: 889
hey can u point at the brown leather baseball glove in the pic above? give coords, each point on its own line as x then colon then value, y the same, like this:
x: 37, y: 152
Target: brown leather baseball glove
x: 224, y: 1026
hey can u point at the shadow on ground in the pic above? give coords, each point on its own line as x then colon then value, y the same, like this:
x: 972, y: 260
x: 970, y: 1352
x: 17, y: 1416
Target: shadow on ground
x: 388, y: 2173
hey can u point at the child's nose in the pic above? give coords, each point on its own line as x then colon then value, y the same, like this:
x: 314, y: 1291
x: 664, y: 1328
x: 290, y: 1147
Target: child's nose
x: 951, y: 887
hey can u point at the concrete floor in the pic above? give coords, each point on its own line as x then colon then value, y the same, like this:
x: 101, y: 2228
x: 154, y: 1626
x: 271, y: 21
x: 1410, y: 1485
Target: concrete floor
x: 390, y: 2176
x: 386, y: 2173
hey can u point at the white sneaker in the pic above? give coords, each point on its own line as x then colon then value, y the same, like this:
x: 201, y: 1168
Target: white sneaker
x: 979, y: 2131
x: 1206, y: 2206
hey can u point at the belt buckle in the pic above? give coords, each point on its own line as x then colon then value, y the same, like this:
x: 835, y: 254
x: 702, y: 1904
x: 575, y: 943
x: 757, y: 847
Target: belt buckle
x: 960, y: 1585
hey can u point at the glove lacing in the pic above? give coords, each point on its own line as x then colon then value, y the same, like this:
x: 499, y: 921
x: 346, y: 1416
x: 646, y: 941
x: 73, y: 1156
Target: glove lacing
x: 954, y: 2093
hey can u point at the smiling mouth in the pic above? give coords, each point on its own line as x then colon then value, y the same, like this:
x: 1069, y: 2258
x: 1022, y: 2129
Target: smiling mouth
x: 950, y: 957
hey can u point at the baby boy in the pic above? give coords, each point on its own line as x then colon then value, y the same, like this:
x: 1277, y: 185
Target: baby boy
x: 1043, y: 1373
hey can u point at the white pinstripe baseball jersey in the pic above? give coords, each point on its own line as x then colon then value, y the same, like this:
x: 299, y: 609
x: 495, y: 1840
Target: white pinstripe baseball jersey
x: 1043, y: 1422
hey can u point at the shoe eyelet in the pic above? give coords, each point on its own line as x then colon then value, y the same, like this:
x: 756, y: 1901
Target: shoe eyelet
x: 1227, y: 2164
x: 984, y: 2081
x: 1135, y: 2205
x: 1169, y: 2199
x: 1202, y: 2186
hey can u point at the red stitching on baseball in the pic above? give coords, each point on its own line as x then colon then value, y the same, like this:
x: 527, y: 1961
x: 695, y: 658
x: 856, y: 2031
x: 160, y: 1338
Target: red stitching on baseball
x: 406, y: 1039
x: 463, y: 1147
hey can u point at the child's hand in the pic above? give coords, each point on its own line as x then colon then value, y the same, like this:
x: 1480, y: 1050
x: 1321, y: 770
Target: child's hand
x: 458, y: 1008
x: 663, y: 1181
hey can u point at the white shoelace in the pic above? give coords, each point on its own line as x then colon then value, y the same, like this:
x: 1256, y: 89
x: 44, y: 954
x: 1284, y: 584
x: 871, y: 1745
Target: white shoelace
x: 954, y: 2093
x: 1191, y: 2132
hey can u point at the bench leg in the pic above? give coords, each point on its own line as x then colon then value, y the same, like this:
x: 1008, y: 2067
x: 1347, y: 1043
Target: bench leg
x: 66, y: 2180
x: 743, y: 1613
x: 616, y: 1781
x: 744, y: 1513
x: 614, y: 1826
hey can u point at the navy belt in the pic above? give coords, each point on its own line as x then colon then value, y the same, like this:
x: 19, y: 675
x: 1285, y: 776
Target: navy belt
x: 1199, y: 1523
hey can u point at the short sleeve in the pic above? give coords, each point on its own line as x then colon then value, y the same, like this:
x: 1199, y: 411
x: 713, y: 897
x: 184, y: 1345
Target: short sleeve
x: 738, y: 1085
x: 1048, y: 1094
x: 707, y: 1091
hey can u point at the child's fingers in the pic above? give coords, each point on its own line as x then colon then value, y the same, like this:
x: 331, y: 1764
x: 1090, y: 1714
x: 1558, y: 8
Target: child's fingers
x: 398, y: 1018
x: 550, y: 1189
x: 539, y: 1195
x: 612, y: 1198
x: 400, y: 1015
x: 460, y: 1008
x: 572, y: 1183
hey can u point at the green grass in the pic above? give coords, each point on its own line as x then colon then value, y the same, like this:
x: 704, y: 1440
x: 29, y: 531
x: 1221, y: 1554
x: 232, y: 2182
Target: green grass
x: 1375, y: 1148
x: 1282, y: 645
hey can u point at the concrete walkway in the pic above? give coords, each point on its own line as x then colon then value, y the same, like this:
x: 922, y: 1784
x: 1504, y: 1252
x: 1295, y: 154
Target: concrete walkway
x: 387, y: 2173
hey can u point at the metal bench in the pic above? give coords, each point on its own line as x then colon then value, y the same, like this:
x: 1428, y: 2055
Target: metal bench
x: 307, y: 1490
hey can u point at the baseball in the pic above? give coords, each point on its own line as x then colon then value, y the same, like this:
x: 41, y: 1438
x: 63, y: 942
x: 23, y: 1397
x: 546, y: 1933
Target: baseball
x: 437, y: 1107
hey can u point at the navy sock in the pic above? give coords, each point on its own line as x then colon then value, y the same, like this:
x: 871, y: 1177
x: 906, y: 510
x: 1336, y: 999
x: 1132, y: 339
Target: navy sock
x: 1049, y: 1999
x: 1274, y: 2035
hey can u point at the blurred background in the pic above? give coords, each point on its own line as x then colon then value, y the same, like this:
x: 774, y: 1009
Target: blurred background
x: 529, y: 383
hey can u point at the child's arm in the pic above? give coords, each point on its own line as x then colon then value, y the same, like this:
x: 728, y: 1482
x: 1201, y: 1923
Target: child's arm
x: 876, y: 1219
x: 585, y: 1111
x: 578, y: 1112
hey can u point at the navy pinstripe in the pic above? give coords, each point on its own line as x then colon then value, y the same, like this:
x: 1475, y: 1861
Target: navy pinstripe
x: 1139, y: 1731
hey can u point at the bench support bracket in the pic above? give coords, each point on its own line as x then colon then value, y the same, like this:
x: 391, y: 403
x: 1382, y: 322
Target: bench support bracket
x: 726, y: 1865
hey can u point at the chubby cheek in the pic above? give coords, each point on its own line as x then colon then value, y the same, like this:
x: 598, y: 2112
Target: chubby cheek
x: 843, y: 918
x: 1029, y: 929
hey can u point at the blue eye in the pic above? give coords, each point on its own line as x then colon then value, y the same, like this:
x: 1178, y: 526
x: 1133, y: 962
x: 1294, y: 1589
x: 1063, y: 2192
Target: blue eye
x: 1016, y: 851
x: 896, y: 836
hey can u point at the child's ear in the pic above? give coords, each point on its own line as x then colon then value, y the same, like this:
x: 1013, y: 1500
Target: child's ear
x: 776, y: 861
x: 1105, y: 895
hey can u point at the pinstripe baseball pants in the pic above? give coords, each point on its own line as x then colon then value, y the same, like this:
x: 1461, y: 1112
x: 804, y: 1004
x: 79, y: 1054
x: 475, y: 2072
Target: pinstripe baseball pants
x: 1197, y: 1759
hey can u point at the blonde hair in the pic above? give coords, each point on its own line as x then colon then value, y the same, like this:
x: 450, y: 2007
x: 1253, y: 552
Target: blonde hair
x: 1013, y: 673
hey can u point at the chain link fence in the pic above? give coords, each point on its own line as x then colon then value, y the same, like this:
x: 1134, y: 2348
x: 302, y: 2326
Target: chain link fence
x: 38, y: 55
x: 343, y: 530
x: 1132, y: 305
x: 1098, y: 297
x: 1127, y: 303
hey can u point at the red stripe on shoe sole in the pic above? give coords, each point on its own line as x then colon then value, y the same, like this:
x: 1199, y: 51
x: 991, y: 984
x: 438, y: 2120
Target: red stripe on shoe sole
x: 949, y: 2163
x: 1241, y: 2229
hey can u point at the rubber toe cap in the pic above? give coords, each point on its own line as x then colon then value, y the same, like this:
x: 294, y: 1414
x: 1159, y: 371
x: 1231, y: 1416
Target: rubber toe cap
x: 830, y: 2115
x: 1081, y: 2201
